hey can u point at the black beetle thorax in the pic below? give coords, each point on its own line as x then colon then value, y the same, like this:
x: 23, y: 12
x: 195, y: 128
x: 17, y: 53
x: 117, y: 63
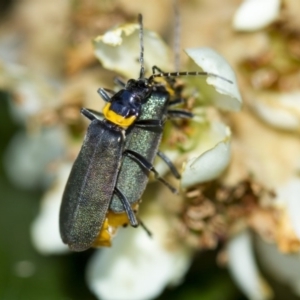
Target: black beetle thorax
x: 126, y: 103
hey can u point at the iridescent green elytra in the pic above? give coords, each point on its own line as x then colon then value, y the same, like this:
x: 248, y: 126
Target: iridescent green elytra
x: 132, y: 178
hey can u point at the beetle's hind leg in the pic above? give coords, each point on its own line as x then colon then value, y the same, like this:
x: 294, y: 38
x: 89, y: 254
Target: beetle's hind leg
x: 130, y: 213
x: 145, y: 228
x: 133, y: 220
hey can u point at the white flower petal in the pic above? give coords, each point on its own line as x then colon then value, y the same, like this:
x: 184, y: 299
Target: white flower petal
x: 44, y: 230
x: 10, y: 49
x: 228, y: 96
x: 137, y: 267
x: 256, y: 14
x: 243, y: 268
x: 119, y: 50
x: 33, y: 92
x: 283, y: 267
x: 279, y: 110
x: 211, y: 162
x: 27, y: 156
x: 288, y: 194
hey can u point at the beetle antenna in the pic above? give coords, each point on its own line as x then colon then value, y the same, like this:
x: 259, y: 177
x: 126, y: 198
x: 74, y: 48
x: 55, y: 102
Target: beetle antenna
x: 177, y: 29
x: 177, y: 74
x: 142, y: 71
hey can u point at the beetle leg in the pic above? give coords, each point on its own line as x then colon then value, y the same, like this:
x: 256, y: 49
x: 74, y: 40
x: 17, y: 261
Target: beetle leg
x: 131, y: 216
x: 150, y: 123
x: 171, y: 166
x: 145, y: 228
x: 87, y: 113
x: 180, y: 114
x: 91, y: 114
x: 104, y: 95
x: 170, y: 80
x: 156, y: 68
x: 148, y: 167
x: 108, y: 91
x: 176, y: 101
x: 118, y: 81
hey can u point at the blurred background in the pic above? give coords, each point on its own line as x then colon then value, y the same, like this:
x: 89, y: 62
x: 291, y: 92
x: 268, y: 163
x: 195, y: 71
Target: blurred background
x: 48, y: 71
